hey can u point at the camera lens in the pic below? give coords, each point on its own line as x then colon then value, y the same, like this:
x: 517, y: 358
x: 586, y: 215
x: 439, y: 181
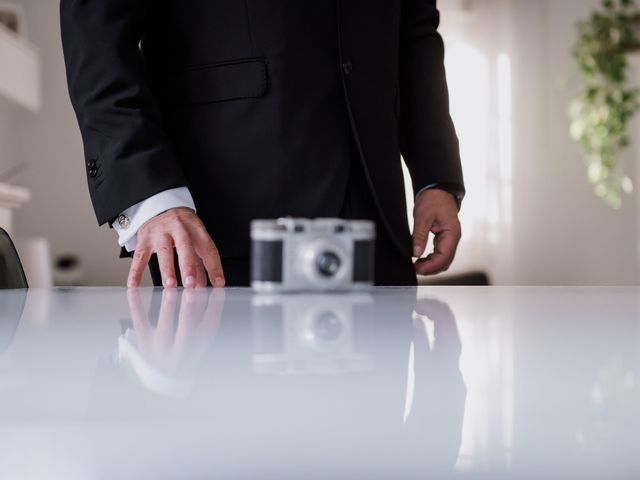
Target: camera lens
x: 327, y: 326
x: 328, y: 264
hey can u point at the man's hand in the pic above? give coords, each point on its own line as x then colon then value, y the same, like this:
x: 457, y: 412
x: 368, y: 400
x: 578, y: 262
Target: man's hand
x: 435, y: 211
x: 180, y: 228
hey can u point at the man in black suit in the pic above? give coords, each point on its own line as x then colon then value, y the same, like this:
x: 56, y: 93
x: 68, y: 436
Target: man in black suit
x: 200, y: 115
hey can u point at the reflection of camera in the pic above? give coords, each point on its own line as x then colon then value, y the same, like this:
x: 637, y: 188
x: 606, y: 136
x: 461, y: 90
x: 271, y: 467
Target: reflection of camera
x: 325, y: 254
x: 311, y: 334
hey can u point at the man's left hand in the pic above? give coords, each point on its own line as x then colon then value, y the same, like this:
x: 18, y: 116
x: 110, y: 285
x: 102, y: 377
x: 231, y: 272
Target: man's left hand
x: 436, y: 212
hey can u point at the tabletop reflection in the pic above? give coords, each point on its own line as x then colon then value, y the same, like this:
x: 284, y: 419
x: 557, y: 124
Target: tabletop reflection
x: 395, y: 383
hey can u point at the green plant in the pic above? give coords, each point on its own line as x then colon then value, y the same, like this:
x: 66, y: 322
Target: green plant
x: 601, y: 114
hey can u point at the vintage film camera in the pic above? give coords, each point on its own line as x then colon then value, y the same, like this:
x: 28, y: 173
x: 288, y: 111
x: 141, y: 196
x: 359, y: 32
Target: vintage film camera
x: 292, y: 254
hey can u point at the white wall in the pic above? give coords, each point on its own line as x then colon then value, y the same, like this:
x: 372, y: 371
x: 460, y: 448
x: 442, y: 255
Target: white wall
x: 50, y: 142
x: 563, y: 234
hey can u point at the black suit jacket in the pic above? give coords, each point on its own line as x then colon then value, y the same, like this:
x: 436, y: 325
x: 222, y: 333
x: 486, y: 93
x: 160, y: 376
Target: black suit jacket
x: 252, y: 104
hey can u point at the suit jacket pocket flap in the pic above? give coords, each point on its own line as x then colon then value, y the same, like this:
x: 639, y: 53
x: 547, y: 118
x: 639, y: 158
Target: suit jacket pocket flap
x: 220, y: 82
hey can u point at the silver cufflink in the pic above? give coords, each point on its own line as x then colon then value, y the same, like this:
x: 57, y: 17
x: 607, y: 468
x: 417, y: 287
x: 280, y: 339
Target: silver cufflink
x: 123, y: 221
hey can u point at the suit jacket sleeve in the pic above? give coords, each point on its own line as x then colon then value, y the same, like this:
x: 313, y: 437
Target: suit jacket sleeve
x: 427, y: 135
x: 128, y: 157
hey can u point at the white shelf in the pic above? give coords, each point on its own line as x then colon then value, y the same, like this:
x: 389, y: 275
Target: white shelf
x: 20, y: 70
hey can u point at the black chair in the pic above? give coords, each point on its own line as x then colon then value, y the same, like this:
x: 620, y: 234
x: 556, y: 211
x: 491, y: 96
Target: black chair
x: 11, y: 272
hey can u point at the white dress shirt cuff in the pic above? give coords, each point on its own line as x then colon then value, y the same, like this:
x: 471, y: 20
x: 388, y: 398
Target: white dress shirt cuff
x: 129, y: 222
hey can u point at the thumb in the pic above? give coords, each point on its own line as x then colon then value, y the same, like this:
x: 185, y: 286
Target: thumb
x: 421, y: 226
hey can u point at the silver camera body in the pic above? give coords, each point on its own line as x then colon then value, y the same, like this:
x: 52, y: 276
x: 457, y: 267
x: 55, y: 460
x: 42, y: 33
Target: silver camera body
x: 295, y: 254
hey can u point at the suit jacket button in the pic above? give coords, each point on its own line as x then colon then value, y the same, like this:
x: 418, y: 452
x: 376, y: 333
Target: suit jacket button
x: 123, y: 221
x: 93, y: 168
x: 347, y: 67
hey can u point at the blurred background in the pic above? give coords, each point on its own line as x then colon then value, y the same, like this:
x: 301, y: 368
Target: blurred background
x: 531, y: 215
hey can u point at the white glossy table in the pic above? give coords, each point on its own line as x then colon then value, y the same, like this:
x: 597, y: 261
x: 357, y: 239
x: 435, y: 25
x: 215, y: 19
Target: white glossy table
x: 479, y: 383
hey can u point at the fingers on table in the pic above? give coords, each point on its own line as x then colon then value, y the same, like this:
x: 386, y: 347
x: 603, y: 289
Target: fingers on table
x: 195, y: 263
x: 141, y: 258
x: 164, y: 251
x: 188, y: 261
x: 208, y: 252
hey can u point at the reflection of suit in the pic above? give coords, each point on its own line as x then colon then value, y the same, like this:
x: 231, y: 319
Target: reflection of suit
x: 259, y: 97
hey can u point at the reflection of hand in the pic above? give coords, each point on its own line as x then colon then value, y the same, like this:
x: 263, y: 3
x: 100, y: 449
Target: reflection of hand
x: 434, y: 309
x: 446, y: 339
x: 434, y: 422
x: 177, y: 349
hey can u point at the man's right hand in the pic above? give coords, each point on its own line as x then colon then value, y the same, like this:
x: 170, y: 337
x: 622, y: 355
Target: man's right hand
x: 198, y: 256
